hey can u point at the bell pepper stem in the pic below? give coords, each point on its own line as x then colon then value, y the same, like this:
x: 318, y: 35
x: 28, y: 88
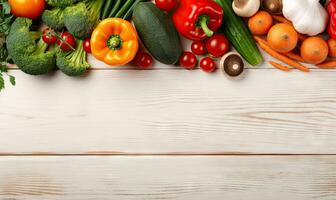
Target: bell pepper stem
x: 203, y: 23
x: 114, y: 42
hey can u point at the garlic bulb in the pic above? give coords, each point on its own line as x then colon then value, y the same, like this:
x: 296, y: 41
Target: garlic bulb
x: 307, y: 16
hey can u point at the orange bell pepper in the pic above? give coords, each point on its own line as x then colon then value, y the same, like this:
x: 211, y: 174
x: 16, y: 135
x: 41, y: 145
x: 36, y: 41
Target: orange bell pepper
x: 114, y: 41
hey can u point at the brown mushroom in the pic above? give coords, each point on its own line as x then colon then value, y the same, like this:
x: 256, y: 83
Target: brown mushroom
x: 273, y: 6
x: 232, y: 64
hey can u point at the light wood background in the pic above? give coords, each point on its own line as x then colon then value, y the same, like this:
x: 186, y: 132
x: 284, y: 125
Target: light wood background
x: 169, y: 133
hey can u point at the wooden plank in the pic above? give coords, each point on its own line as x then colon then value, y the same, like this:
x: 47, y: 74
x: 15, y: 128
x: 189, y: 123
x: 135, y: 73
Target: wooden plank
x: 170, y: 112
x: 178, y: 178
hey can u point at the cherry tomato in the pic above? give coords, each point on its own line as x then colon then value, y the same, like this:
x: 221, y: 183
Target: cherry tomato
x: 27, y: 8
x: 208, y: 64
x: 67, y: 41
x: 87, y: 45
x: 218, y: 45
x: 143, y: 60
x: 166, y: 5
x: 49, y: 36
x: 188, y: 60
x: 198, y: 48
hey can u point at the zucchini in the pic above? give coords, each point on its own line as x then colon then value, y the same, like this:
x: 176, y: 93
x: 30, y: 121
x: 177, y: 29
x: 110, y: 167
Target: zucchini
x: 157, y: 33
x: 239, y: 35
x: 129, y: 13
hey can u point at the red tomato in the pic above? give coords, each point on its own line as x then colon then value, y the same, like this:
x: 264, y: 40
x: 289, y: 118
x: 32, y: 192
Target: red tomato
x: 198, y: 48
x: 188, y: 60
x: 68, y: 42
x: 166, y: 5
x: 208, y: 64
x: 87, y: 45
x: 49, y: 36
x: 143, y: 60
x: 218, y: 45
x: 27, y: 8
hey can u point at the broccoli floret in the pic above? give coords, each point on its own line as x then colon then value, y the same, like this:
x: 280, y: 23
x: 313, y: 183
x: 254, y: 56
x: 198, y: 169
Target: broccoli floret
x: 73, y: 63
x: 54, y: 18
x: 81, y: 18
x: 29, y: 56
x: 61, y: 3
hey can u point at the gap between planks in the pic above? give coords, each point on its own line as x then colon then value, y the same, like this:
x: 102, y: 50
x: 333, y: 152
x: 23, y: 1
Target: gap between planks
x: 177, y: 68
x: 93, y: 154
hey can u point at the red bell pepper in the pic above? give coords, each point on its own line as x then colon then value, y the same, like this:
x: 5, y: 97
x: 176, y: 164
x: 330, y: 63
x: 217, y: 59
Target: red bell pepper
x: 332, y: 23
x: 198, y: 19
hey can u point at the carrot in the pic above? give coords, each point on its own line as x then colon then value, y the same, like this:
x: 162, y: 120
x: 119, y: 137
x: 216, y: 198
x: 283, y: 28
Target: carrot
x: 281, y: 19
x: 327, y: 65
x: 294, y: 56
x: 284, y: 20
x: 264, y: 45
x: 279, y: 66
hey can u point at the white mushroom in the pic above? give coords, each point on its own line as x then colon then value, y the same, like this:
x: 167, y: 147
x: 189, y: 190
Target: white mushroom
x: 246, y: 8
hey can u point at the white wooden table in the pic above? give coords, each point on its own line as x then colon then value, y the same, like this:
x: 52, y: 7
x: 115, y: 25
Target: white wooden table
x: 169, y: 133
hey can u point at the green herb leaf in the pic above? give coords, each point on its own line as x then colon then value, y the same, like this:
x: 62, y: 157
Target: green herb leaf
x: 3, y: 68
x: 12, y: 80
x: 2, y: 82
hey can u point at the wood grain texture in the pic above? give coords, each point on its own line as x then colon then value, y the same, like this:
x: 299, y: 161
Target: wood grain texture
x: 178, y: 178
x: 170, y: 112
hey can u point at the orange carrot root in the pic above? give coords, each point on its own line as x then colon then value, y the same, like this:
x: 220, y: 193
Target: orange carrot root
x: 264, y: 45
x: 294, y: 56
x: 327, y: 65
x: 279, y: 66
x: 281, y: 19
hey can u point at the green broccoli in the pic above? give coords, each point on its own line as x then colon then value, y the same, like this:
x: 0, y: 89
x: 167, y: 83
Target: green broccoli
x: 81, y: 18
x: 73, y: 63
x: 29, y: 56
x: 54, y: 18
x: 61, y: 3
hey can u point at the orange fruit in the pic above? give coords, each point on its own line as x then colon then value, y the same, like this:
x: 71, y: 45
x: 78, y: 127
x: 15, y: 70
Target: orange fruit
x: 332, y: 47
x: 282, y: 37
x: 260, y: 23
x: 314, y: 50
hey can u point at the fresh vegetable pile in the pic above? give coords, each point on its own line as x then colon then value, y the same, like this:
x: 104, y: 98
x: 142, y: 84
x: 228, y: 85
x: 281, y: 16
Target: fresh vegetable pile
x: 40, y: 36
x: 294, y: 32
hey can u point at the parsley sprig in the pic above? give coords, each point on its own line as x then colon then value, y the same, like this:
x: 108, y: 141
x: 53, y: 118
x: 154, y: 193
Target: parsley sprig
x: 4, y: 70
x: 6, y: 20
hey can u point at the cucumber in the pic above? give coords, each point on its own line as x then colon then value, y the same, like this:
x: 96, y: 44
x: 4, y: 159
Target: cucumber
x: 157, y: 33
x: 239, y: 35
